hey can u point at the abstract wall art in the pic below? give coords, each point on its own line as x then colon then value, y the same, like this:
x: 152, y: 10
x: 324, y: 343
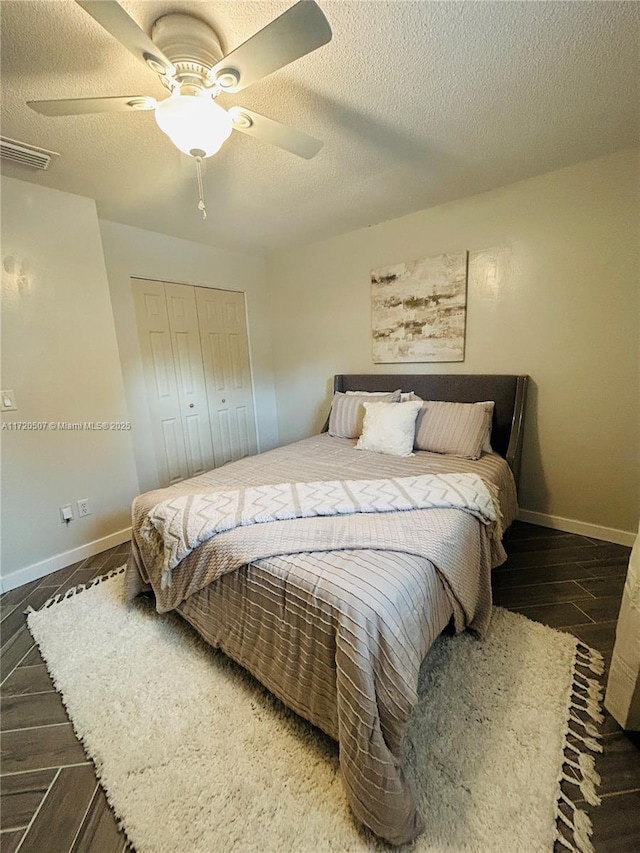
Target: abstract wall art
x: 418, y: 310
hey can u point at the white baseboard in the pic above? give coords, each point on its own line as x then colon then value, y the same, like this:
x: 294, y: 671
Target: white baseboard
x: 570, y: 525
x: 67, y: 558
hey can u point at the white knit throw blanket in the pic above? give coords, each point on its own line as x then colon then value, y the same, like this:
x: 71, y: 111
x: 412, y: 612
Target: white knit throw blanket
x: 184, y: 522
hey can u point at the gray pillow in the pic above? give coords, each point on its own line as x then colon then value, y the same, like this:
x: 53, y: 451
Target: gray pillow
x: 456, y: 429
x: 347, y: 412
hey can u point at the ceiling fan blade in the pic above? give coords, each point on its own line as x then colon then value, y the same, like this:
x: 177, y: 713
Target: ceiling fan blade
x: 84, y: 106
x: 298, y: 31
x: 122, y: 27
x: 280, y: 135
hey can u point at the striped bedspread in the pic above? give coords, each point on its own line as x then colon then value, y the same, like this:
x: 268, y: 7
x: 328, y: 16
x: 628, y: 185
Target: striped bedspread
x: 338, y: 625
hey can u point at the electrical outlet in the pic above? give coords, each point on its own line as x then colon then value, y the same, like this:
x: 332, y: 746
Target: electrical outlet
x: 66, y: 514
x: 83, y: 507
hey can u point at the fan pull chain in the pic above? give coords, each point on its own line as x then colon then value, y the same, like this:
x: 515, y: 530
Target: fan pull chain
x: 201, y: 204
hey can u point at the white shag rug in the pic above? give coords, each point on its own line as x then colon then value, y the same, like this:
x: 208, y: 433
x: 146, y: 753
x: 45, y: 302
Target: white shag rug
x: 195, y: 755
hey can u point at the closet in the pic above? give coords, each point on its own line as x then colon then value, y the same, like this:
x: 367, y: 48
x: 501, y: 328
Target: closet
x: 197, y: 376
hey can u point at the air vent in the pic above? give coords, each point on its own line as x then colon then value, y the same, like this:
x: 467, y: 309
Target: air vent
x: 25, y: 155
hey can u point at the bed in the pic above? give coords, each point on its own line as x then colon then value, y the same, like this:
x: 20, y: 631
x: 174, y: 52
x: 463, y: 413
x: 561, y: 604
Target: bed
x: 334, y: 614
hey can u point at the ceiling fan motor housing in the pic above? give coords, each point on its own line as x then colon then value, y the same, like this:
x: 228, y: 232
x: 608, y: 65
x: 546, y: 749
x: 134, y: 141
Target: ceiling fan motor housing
x: 191, y: 45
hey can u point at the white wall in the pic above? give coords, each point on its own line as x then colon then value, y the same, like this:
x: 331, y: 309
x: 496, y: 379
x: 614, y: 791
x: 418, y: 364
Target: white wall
x: 60, y: 357
x: 563, y: 309
x: 144, y: 254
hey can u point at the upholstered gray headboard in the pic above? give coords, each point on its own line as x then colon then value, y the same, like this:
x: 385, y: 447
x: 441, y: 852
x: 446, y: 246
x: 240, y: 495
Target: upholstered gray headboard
x: 508, y: 392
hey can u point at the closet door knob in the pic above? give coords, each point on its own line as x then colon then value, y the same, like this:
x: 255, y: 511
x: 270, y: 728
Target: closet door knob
x: 223, y: 400
x: 191, y: 405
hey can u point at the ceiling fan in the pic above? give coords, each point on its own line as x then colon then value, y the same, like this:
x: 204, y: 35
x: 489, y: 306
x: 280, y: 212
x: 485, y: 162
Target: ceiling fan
x: 185, y: 53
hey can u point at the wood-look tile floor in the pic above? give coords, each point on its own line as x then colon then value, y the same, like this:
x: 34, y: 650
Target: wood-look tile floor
x: 51, y: 800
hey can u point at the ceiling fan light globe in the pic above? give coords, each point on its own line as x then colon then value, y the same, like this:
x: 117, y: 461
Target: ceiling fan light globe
x: 194, y: 122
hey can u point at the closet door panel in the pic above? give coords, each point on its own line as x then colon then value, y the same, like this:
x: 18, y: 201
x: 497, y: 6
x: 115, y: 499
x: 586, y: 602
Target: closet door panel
x: 192, y: 393
x: 173, y: 449
x: 223, y: 432
x: 244, y: 420
x: 160, y: 380
x: 222, y: 319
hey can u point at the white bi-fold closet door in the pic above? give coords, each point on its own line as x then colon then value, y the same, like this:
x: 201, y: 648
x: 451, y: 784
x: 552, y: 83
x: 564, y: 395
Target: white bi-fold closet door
x: 197, y: 376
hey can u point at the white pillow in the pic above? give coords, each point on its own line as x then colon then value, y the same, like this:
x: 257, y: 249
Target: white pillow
x: 405, y: 396
x: 373, y: 394
x: 389, y: 428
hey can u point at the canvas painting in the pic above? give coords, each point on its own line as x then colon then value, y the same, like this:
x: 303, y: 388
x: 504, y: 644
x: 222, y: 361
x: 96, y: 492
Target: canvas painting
x: 418, y: 310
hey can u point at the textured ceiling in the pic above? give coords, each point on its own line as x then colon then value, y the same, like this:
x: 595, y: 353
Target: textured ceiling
x: 418, y: 103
